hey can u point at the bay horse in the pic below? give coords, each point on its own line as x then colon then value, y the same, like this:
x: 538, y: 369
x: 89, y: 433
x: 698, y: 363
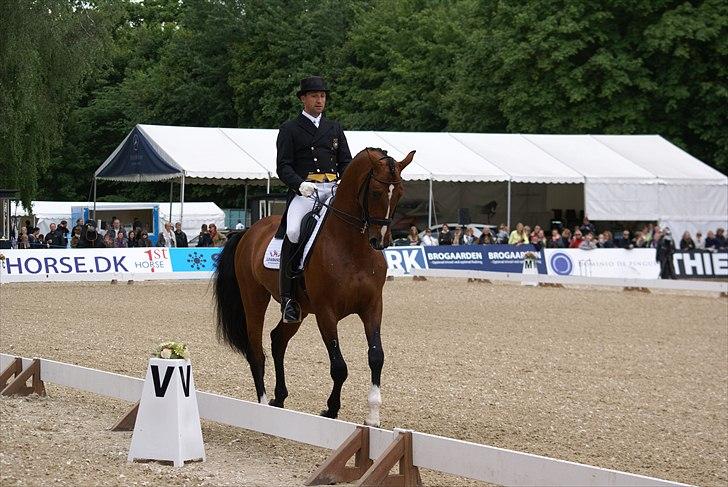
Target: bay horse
x: 344, y: 275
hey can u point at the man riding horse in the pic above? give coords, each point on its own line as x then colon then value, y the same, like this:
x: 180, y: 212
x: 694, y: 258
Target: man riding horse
x: 312, y: 156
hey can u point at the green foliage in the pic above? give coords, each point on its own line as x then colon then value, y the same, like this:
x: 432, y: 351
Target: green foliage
x: 421, y: 65
x: 47, y: 49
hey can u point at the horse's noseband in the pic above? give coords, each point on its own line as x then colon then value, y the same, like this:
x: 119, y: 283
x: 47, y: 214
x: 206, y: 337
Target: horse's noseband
x: 366, y: 219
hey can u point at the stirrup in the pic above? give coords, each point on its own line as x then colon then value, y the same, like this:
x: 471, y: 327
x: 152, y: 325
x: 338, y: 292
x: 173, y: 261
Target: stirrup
x: 291, y: 311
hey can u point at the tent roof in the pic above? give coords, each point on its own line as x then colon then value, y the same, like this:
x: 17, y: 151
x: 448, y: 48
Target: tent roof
x: 663, y: 159
x: 589, y: 157
x: 524, y: 161
x: 229, y: 155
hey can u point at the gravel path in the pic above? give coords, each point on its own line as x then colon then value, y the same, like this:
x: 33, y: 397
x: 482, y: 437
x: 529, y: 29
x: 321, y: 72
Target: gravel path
x: 630, y: 381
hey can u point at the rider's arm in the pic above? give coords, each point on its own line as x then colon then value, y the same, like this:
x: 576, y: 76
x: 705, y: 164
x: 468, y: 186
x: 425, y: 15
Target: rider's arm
x: 284, y: 159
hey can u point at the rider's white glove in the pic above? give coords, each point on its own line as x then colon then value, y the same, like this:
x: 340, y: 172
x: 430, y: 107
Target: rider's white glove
x: 306, y: 189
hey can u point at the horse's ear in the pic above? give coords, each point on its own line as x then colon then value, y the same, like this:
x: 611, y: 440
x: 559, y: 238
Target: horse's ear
x: 404, y: 162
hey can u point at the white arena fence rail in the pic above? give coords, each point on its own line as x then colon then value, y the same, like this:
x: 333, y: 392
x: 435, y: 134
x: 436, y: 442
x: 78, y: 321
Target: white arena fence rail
x: 461, y: 458
x: 678, y: 285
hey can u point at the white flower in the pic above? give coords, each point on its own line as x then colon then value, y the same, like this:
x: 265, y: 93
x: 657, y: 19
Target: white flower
x: 165, y: 353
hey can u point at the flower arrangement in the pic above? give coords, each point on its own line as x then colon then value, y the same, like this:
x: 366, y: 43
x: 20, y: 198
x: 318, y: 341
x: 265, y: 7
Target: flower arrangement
x: 529, y: 256
x: 172, y: 350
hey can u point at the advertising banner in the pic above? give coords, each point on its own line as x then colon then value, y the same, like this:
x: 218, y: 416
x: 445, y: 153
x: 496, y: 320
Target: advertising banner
x: 618, y: 263
x: 509, y: 258
x: 194, y: 259
x: 463, y: 257
x: 701, y: 264
x: 404, y: 259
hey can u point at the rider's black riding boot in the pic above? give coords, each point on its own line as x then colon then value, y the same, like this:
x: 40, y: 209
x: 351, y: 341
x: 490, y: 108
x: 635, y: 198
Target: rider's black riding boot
x: 290, y: 309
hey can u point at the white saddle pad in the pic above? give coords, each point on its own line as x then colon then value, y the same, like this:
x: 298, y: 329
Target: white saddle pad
x: 272, y: 256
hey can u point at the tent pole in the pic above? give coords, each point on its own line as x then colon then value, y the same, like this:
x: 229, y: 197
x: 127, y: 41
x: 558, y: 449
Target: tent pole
x: 245, y: 205
x: 429, y: 206
x: 508, y: 217
x: 267, y: 189
x: 181, y: 198
x: 171, y: 195
x: 94, y: 217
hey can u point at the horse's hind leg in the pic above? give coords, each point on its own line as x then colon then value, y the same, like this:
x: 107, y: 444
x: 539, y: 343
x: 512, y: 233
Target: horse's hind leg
x: 256, y: 303
x: 339, y: 372
x: 279, y: 336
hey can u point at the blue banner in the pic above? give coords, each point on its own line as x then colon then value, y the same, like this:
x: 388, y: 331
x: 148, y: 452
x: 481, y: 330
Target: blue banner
x: 464, y: 257
x: 194, y: 259
x: 405, y: 259
x: 509, y: 258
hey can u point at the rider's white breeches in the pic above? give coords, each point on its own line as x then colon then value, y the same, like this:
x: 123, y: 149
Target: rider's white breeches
x: 299, y: 206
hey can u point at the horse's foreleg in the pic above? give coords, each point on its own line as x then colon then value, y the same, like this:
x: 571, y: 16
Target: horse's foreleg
x: 339, y: 371
x: 372, y: 324
x: 279, y: 336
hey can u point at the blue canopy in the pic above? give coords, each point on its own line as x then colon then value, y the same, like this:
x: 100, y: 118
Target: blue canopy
x: 138, y: 158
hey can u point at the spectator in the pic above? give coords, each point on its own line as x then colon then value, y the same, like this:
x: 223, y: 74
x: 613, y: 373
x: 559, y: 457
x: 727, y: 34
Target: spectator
x: 720, y: 238
x: 35, y: 239
x: 665, y: 249
x: 108, y: 241
x: 502, y: 235
x: 457, y: 236
x: 605, y: 240
x: 428, y: 239
x: 144, y: 240
x: 639, y: 241
x: 648, y: 232
x: 63, y: 233
x: 90, y: 238
x: 587, y: 227
x: 536, y: 229
x: 486, y: 238
x: 624, y: 242
x: 170, y: 239
x: 160, y: 240
x: 588, y: 243
x: 115, y: 229
x: 413, y: 237
x: 541, y: 237
x: 445, y: 237
x: 180, y: 236
x: 517, y: 237
x: 23, y: 239
x: 76, y: 236
x: 566, y: 238
x: 469, y: 237
x: 131, y: 239
x: 577, y: 240
x: 218, y: 239
x: 555, y: 242
x: 699, y: 242
x: 536, y: 242
x: 686, y: 242
x: 655, y: 239
x: 204, y: 239
x: 711, y: 243
x: 51, y: 239
x: 120, y: 242
x: 238, y: 226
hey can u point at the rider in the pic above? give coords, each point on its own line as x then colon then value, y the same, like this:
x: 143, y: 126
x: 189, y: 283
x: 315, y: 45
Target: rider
x: 312, y: 155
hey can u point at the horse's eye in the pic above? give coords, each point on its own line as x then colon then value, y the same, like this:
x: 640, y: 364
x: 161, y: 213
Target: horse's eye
x: 377, y: 194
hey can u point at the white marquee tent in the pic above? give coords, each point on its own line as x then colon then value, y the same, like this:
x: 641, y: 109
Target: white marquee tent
x: 612, y: 178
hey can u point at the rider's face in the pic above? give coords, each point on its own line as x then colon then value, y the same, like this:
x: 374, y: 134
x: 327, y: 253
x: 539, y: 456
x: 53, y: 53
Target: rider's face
x: 314, y: 102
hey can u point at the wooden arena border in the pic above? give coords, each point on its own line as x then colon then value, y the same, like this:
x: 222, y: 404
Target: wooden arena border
x: 643, y: 285
x: 411, y: 449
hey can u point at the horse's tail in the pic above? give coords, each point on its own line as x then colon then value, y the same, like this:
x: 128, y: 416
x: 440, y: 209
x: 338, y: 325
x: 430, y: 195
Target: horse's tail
x: 231, y: 324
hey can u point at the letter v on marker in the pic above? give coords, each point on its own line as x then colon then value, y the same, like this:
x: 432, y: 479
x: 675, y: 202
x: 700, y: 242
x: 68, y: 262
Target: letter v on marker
x: 161, y: 389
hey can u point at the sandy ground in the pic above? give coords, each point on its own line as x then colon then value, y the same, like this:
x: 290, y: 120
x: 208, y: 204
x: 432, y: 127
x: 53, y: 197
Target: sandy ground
x: 630, y: 381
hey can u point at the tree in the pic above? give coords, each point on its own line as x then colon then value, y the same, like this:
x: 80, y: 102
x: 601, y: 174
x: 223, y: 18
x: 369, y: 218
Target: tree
x: 47, y: 49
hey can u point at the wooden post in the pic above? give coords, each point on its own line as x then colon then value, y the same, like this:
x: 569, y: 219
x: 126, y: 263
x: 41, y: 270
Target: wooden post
x: 15, y: 368
x: 18, y: 385
x: 334, y: 469
x: 399, y: 451
x: 127, y: 422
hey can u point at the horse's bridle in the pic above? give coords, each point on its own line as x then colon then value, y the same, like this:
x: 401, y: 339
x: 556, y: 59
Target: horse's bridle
x: 366, y: 220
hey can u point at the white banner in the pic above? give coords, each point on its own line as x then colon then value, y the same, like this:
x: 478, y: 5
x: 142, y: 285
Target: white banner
x: 621, y: 263
x: 82, y: 264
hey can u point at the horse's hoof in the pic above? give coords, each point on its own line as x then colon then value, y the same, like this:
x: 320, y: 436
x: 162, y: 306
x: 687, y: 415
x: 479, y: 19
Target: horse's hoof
x: 328, y: 414
x: 275, y: 403
x: 375, y: 424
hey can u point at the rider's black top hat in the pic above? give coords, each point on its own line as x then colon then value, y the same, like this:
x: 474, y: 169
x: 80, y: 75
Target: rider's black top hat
x: 312, y: 83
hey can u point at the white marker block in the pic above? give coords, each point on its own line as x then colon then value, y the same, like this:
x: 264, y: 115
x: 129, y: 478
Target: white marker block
x: 529, y: 269
x: 168, y: 422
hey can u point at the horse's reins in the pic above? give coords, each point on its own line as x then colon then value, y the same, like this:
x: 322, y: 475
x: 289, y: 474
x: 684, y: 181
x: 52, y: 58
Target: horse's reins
x: 366, y: 220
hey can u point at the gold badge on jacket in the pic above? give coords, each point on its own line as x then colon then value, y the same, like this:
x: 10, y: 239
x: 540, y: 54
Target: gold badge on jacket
x: 335, y: 144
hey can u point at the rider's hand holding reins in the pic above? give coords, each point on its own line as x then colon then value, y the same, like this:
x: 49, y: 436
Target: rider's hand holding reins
x: 307, y: 189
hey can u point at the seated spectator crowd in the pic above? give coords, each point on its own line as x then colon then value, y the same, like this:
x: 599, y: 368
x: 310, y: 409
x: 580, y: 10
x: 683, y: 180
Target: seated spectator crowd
x: 136, y: 234
x: 584, y: 236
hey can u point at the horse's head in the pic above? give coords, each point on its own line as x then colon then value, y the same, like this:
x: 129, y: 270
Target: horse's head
x: 379, y: 195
